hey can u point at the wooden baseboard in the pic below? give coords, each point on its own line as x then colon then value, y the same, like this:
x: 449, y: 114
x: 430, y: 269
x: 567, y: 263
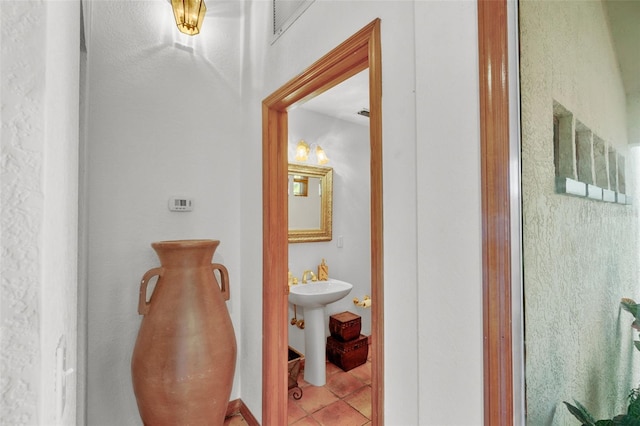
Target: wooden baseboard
x: 238, y: 407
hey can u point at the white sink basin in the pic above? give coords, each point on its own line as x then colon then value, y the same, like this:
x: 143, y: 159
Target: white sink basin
x: 313, y: 297
x: 318, y: 294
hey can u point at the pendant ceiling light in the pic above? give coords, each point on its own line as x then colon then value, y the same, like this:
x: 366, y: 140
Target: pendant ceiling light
x: 189, y: 15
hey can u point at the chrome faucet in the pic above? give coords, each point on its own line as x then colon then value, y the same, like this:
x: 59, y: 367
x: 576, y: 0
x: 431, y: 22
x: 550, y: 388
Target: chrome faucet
x: 304, y: 276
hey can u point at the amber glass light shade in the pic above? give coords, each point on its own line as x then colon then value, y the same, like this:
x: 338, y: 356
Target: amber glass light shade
x: 189, y: 15
x: 302, y: 151
x: 322, y: 157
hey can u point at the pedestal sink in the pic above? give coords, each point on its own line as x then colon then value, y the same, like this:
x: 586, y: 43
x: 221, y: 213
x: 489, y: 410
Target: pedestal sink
x: 313, y: 297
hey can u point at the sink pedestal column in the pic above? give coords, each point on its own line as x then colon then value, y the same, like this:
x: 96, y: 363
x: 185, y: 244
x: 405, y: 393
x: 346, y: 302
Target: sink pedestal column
x: 314, y: 346
x: 313, y: 298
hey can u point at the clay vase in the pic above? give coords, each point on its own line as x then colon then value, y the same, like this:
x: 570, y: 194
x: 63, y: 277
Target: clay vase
x: 185, y: 354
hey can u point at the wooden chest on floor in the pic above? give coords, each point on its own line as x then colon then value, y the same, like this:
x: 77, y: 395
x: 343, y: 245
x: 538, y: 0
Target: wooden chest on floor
x: 345, y: 326
x: 348, y: 355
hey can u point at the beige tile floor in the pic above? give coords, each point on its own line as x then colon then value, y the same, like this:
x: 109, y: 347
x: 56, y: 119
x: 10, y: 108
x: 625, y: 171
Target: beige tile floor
x: 345, y: 400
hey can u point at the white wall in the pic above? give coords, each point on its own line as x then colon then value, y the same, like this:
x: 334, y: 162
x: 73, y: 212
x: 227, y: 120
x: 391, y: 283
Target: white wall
x: 274, y: 65
x: 164, y: 120
x: 40, y: 57
x: 347, y: 146
x: 145, y: 82
x: 580, y: 256
x: 431, y: 194
x: 449, y: 228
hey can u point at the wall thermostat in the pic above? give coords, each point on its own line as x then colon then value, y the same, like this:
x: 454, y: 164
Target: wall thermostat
x: 180, y: 204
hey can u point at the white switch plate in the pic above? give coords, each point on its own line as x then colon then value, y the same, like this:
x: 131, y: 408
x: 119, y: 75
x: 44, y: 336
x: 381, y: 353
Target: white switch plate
x: 180, y: 204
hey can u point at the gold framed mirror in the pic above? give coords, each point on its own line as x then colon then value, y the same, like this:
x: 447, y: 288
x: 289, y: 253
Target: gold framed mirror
x: 310, y: 203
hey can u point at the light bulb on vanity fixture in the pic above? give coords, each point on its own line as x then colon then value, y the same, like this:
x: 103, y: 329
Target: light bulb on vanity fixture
x: 303, y: 149
x: 322, y: 157
x: 189, y: 15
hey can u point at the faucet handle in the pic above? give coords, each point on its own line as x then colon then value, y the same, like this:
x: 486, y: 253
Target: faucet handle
x: 291, y: 279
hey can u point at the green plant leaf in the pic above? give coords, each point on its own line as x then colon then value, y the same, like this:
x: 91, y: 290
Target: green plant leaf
x: 634, y: 401
x: 636, y: 343
x: 625, y: 420
x: 630, y: 306
x: 580, y: 413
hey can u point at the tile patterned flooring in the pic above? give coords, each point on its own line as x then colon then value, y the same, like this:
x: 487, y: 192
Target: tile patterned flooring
x: 235, y: 420
x: 345, y: 400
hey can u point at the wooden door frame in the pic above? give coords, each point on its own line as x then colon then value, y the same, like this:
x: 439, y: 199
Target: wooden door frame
x: 496, y: 223
x: 359, y: 52
x: 495, y: 158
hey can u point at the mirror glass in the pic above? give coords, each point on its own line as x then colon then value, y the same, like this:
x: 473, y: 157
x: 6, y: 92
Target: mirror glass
x: 580, y: 120
x: 310, y: 203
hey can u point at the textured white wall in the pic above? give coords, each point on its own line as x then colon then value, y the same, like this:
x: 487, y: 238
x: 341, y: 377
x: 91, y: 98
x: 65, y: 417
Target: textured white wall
x: 40, y: 56
x: 580, y: 256
x: 164, y: 120
x: 347, y: 146
x: 22, y: 208
x: 633, y: 118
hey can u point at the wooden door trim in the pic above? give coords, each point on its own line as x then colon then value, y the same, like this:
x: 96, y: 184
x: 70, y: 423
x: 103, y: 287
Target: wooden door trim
x: 496, y: 216
x: 360, y: 51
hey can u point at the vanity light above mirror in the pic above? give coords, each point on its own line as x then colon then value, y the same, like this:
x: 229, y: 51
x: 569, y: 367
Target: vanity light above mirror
x: 303, y: 149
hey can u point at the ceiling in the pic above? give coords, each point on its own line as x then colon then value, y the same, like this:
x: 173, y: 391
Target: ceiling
x: 344, y: 100
x: 624, y: 21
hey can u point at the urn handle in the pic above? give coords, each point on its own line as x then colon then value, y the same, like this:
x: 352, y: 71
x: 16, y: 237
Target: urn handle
x: 143, y: 305
x: 224, y: 276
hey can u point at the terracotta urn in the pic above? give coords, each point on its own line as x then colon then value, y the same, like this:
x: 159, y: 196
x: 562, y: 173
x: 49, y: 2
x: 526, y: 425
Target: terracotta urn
x: 184, y: 357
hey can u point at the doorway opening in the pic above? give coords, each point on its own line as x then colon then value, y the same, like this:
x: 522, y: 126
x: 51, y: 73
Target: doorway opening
x: 358, y: 53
